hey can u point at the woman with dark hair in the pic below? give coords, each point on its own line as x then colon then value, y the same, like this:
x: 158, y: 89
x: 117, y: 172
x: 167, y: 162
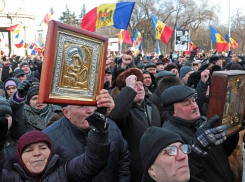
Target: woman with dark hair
x: 36, y: 160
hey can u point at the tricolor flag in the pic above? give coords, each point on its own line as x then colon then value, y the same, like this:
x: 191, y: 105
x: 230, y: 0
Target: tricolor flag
x: 20, y: 44
x: 232, y: 43
x: 221, y: 43
x: 26, y: 45
x: 47, y: 17
x: 161, y: 31
x: 125, y: 37
x: 137, y: 38
x: 16, y: 29
x: 114, y: 14
x: 31, y: 46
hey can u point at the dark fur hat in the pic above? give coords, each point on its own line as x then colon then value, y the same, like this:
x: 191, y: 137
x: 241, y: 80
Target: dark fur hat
x: 121, y: 83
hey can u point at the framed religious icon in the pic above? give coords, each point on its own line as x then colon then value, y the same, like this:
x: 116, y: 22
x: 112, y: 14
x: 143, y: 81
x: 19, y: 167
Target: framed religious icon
x: 73, y: 65
x: 227, y: 99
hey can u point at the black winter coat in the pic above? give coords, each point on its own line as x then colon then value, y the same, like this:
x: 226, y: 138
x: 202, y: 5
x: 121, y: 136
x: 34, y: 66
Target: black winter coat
x: 60, y: 169
x: 215, y: 166
x: 133, y: 121
x: 65, y: 134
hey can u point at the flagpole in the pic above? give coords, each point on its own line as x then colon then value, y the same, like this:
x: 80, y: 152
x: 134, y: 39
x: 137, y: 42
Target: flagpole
x: 122, y: 41
x: 229, y: 21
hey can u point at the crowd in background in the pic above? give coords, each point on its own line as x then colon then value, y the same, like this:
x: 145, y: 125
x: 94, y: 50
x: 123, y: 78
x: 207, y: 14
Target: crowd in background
x: 150, y: 107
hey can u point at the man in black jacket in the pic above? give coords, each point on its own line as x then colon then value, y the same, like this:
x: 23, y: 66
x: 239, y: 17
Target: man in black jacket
x: 71, y: 132
x: 133, y: 114
x: 208, y: 143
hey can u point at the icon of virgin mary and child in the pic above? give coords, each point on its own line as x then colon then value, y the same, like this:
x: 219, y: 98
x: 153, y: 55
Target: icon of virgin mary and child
x: 76, y: 75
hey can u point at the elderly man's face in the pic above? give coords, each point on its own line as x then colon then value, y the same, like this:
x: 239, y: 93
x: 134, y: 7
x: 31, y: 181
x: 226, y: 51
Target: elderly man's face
x: 139, y: 88
x: 77, y: 115
x: 170, y: 168
x: 187, y: 110
x: 152, y: 70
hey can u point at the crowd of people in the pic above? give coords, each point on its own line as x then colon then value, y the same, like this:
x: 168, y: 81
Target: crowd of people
x: 150, y: 124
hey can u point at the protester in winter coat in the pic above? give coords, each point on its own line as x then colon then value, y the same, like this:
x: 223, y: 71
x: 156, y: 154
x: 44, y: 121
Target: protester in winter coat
x: 36, y: 160
x: 133, y: 114
x: 211, y: 147
x: 164, y: 157
x: 38, y: 116
x: 73, y: 127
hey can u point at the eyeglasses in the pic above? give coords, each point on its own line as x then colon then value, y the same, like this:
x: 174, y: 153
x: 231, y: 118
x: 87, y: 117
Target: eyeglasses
x: 173, y: 150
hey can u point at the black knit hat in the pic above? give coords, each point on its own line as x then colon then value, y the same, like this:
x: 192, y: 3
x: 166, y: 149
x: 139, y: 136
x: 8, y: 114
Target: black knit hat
x: 5, y: 107
x: 153, y: 141
x: 31, y: 92
x: 24, y: 63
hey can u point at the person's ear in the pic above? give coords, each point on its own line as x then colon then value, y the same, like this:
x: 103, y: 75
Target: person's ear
x: 152, y: 173
x: 66, y: 112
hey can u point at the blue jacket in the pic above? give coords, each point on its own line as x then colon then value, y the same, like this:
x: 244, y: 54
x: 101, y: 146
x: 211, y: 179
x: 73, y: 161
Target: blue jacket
x: 64, y: 133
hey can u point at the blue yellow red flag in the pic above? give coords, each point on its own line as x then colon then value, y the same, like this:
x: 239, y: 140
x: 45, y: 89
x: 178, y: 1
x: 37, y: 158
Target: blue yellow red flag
x: 20, y: 44
x: 47, y: 17
x: 125, y: 37
x: 232, y: 43
x: 161, y: 31
x: 113, y: 14
x: 137, y: 38
x: 221, y: 43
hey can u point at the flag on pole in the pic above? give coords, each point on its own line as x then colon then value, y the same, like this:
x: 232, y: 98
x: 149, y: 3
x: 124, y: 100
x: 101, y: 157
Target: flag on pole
x: 137, y: 38
x: 47, y: 17
x: 26, y: 45
x: 125, y: 37
x: 232, y: 43
x: 142, y: 51
x: 161, y: 31
x: 177, y: 26
x: 158, y: 52
x: 16, y: 29
x: 20, y: 44
x: 114, y: 14
x: 221, y: 43
x: 31, y: 46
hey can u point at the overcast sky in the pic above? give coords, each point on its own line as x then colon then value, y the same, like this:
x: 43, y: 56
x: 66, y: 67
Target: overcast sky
x: 59, y: 6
